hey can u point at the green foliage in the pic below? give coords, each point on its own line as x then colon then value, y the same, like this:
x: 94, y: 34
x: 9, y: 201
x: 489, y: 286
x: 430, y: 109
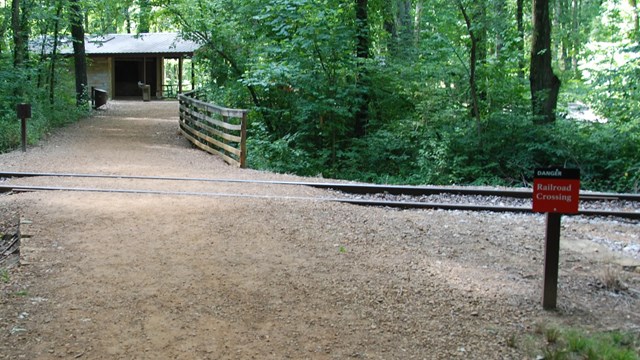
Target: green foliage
x: 295, y: 64
x: 4, y: 276
x: 510, y: 147
x: 278, y: 155
x: 20, y: 86
x: 21, y: 293
x: 616, y: 96
x: 573, y: 344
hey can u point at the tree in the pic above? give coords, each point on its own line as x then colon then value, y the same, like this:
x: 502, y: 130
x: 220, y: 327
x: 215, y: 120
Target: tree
x: 476, y: 52
x: 362, y: 52
x: 402, y: 29
x: 4, y: 26
x: 223, y: 30
x: 520, y: 30
x: 144, y: 17
x: 54, y: 53
x: 79, y: 55
x: 19, y: 25
x: 636, y: 20
x: 544, y: 84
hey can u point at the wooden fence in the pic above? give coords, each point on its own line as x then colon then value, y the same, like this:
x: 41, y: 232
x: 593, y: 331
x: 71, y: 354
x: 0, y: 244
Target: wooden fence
x: 214, y: 129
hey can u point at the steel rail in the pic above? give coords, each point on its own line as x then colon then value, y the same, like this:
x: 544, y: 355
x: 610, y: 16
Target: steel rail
x: 345, y: 187
x: 379, y: 203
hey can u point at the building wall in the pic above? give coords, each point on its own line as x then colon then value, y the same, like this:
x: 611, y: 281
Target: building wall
x: 99, y: 72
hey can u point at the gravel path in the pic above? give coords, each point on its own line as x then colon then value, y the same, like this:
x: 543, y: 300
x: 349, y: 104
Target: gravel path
x: 110, y: 276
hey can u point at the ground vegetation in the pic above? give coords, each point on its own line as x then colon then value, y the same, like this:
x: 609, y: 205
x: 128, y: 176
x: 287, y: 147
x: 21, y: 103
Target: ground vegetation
x: 402, y: 91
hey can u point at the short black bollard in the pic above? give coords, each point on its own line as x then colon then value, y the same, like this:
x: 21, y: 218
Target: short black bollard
x: 24, y: 112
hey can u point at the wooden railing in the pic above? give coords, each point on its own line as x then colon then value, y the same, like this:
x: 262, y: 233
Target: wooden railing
x: 214, y: 129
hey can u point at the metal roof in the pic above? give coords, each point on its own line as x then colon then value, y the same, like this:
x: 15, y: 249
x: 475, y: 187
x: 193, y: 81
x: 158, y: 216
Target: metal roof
x: 125, y: 44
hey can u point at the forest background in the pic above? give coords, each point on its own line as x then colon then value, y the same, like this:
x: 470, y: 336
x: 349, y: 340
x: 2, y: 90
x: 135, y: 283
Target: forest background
x: 395, y: 91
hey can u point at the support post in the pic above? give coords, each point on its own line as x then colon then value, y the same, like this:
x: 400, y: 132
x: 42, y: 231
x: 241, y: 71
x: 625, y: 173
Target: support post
x: 180, y: 66
x: 144, y: 69
x: 193, y: 75
x: 24, y: 112
x: 551, y: 260
x: 243, y: 141
x: 23, y: 129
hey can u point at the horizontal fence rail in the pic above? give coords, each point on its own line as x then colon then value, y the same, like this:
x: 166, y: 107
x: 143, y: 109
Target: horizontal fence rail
x: 215, y: 129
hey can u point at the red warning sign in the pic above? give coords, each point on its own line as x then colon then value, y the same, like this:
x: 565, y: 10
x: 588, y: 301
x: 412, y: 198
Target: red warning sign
x: 556, y: 190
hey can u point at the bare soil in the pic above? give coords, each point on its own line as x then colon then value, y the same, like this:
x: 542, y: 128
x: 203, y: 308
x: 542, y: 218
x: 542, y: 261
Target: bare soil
x: 273, y: 274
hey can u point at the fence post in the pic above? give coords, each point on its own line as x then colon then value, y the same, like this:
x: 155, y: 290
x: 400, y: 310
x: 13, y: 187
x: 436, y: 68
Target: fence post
x: 243, y: 141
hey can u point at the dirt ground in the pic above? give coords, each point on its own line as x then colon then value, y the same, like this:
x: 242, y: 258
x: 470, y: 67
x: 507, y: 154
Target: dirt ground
x: 262, y: 276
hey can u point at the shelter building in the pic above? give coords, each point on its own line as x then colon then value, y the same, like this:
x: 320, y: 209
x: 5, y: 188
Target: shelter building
x: 119, y: 63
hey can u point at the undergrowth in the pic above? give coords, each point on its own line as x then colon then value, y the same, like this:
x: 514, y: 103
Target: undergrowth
x: 505, y: 153
x: 570, y: 344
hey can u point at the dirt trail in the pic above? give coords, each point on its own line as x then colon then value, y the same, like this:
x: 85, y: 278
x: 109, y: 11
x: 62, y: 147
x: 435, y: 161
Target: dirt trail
x: 131, y: 276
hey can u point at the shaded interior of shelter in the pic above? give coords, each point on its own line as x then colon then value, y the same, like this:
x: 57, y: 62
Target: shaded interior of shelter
x: 132, y: 71
x: 163, y: 75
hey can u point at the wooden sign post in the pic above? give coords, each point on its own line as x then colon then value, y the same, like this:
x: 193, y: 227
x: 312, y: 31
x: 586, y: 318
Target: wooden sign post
x: 556, y: 191
x: 24, y: 112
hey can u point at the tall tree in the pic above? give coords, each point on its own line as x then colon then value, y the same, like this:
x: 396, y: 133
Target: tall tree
x: 500, y: 27
x: 144, y: 17
x: 402, y: 24
x: 635, y: 19
x: 79, y: 55
x: 19, y: 25
x: 520, y: 29
x: 417, y: 16
x: 473, y: 61
x: 576, y: 44
x: 4, y: 26
x: 362, y: 52
x: 54, y: 53
x: 544, y: 84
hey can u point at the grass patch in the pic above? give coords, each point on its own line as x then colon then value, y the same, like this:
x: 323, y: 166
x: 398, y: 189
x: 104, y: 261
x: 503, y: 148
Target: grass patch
x: 21, y: 293
x: 612, y: 280
x: 569, y: 344
x: 4, y: 276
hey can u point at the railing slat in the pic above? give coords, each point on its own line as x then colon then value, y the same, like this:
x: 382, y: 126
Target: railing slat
x: 216, y: 132
x: 227, y: 159
x: 213, y: 121
x: 210, y: 128
x: 195, y: 133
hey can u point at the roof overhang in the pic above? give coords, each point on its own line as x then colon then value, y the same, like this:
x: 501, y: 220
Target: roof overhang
x: 148, y: 44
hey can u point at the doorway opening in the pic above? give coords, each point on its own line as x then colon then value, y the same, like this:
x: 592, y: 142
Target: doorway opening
x: 129, y: 72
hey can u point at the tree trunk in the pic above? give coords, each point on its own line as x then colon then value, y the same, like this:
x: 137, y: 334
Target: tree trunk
x: 54, y: 55
x: 417, y: 20
x: 545, y: 85
x: 406, y: 26
x: 144, y: 20
x: 20, y: 33
x: 475, y: 51
x: 362, y: 53
x: 127, y: 19
x: 3, y: 28
x: 500, y: 28
x: 562, y: 22
x: 635, y: 19
x: 403, y: 29
x: 576, y: 44
x: 520, y: 27
x: 480, y: 33
x: 79, y: 56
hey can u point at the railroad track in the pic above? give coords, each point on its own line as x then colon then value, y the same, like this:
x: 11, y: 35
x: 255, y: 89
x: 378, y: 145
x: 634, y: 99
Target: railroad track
x: 359, y: 194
